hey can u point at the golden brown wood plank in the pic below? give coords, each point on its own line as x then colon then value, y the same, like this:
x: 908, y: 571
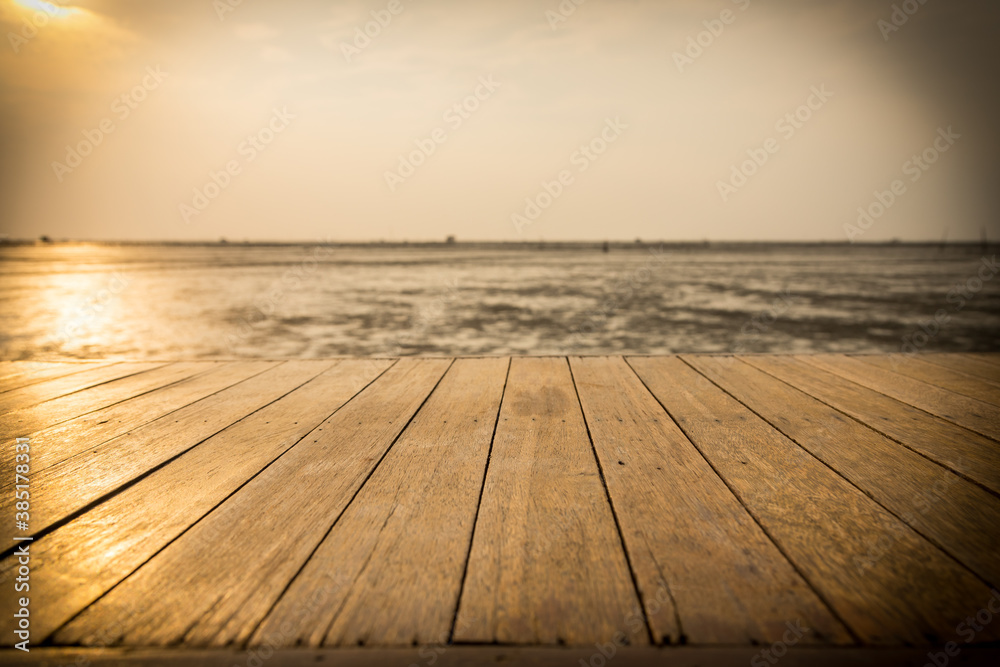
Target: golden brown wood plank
x: 17, y: 374
x: 932, y: 374
x: 197, y: 589
x: 684, y: 530
x: 970, y: 454
x: 962, y: 410
x: 968, y: 364
x: 889, y: 584
x: 100, y: 470
x: 992, y: 358
x: 79, y: 562
x: 26, y: 421
x: 950, y: 511
x: 50, y: 389
x: 390, y: 571
x: 59, y: 442
x: 547, y: 564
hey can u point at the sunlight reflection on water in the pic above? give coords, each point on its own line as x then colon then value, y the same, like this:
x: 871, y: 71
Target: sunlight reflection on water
x: 179, y: 302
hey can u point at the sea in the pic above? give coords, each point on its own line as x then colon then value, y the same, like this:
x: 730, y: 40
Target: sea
x: 63, y: 300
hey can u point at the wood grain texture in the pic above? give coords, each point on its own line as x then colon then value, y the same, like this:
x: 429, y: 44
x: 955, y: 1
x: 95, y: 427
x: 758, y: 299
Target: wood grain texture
x: 990, y: 358
x: 945, y: 508
x: 390, y: 570
x: 51, y: 389
x: 970, y: 454
x: 27, y: 421
x: 205, y: 590
x: 75, y: 481
x: 79, y: 562
x: 968, y: 412
x: 969, y: 364
x: 952, y: 380
x: 547, y: 564
x: 684, y: 530
x: 888, y: 583
x: 17, y: 374
x: 57, y: 443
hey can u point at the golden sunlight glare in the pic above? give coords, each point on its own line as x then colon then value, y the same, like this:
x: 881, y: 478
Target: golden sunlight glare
x: 50, y: 9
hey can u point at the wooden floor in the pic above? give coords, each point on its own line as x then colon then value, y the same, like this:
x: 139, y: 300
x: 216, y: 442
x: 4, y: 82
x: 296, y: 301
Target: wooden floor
x: 750, y: 505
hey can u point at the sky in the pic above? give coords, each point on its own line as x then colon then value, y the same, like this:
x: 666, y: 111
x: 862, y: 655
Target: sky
x: 760, y: 120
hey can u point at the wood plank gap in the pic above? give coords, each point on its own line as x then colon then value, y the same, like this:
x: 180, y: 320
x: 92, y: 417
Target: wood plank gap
x: 916, y: 529
x: 681, y: 638
x: 347, y: 505
x: 479, y: 505
x: 961, y: 473
x: 967, y: 418
x: 52, y: 634
x: 777, y: 545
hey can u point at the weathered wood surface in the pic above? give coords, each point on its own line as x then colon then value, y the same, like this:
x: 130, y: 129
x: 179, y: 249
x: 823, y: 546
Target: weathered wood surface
x: 266, y: 531
x: 34, y: 394
x: 926, y: 496
x: 736, y: 501
x: 686, y: 533
x: 965, y: 411
x: 546, y: 565
x: 971, y: 455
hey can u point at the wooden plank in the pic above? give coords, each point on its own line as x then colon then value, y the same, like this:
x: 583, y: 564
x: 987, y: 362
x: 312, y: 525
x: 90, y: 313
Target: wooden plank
x: 82, y: 560
x: 970, y: 454
x: 864, y: 561
x: 17, y: 374
x: 101, y: 469
x: 968, y: 412
x: 991, y: 358
x: 50, y: 389
x: 24, y: 422
x: 59, y: 442
x: 932, y: 374
x: 684, y: 530
x: 390, y: 570
x: 950, y: 511
x: 970, y: 365
x: 547, y: 564
x: 195, y: 589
